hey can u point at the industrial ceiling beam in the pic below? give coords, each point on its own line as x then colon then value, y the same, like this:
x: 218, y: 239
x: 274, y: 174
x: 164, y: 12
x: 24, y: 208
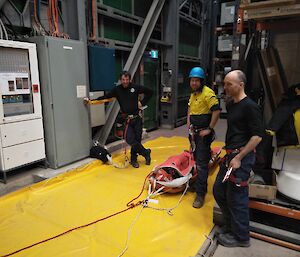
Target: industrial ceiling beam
x: 182, y: 3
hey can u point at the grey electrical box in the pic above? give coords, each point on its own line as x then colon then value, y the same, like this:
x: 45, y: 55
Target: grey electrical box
x: 225, y: 42
x: 63, y: 81
x: 97, y: 111
x: 227, y: 13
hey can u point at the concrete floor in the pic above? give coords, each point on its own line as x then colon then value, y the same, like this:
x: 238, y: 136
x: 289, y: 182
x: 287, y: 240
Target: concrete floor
x: 258, y: 248
x: 29, y: 175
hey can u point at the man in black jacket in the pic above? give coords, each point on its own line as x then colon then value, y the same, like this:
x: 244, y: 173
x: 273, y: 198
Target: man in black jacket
x: 127, y: 95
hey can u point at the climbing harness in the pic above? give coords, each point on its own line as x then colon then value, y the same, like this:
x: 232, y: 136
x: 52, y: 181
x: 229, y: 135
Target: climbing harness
x: 229, y: 175
x: 193, y: 131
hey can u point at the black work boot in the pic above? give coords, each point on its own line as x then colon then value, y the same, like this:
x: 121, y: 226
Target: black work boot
x: 198, y: 202
x: 134, y: 163
x: 222, y: 230
x: 148, y: 157
x: 229, y: 240
x: 133, y: 157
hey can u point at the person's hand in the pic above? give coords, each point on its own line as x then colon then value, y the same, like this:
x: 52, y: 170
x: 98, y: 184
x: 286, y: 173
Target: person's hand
x: 140, y: 106
x: 204, y: 132
x: 235, y: 163
x: 86, y: 100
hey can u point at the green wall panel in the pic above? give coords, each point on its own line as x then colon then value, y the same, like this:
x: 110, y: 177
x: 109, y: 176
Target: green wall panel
x: 186, y: 49
x: 124, y: 5
x: 117, y: 30
x: 189, y: 39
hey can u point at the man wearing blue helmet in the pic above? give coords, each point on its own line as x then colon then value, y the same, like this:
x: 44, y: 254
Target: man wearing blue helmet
x: 203, y: 114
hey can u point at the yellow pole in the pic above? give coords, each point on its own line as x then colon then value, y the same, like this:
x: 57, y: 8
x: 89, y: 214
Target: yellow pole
x: 100, y: 101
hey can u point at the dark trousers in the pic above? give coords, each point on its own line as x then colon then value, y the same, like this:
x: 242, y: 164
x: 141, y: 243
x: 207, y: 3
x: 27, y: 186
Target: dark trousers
x: 202, y: 156
x: 134, y: 137
x: 233, y: 200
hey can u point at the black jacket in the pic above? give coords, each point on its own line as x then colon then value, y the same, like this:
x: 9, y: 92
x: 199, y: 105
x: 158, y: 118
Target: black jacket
x: 128, y: 97
x: 282, y: 122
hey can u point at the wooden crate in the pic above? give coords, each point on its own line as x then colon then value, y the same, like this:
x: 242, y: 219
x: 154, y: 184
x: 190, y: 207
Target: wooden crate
x: 274, y: 12
x: 249, y: 4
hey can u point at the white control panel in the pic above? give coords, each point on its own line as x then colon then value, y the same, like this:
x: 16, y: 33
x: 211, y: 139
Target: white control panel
x: 21, y: 124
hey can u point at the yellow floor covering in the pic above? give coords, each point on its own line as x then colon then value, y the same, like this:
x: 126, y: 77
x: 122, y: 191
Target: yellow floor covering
x: 94, y: 191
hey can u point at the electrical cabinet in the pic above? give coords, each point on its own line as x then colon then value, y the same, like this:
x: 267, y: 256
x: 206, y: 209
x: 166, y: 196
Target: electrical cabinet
x: 225, y: 42
x: 64, y: 85
x: 101, y: 68
x: 227, y: 13
x: 21, y: 125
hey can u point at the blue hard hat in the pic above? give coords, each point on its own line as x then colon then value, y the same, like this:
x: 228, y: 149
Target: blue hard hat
x: 197, y: 72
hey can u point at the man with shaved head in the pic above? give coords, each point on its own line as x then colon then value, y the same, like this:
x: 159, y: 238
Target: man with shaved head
x: 244, y: 133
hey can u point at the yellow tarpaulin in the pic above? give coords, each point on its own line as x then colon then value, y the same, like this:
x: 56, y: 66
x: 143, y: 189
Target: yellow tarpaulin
x: 95, y: 191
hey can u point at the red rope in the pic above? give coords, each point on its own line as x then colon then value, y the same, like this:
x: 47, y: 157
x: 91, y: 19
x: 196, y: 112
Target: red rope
x: 124, y: 136
x: 49, y: 18
x: 129, y: 204
x: 72, y: 229
x: 94, y: 13
x: 34, y: 11
x: 54, y: 16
